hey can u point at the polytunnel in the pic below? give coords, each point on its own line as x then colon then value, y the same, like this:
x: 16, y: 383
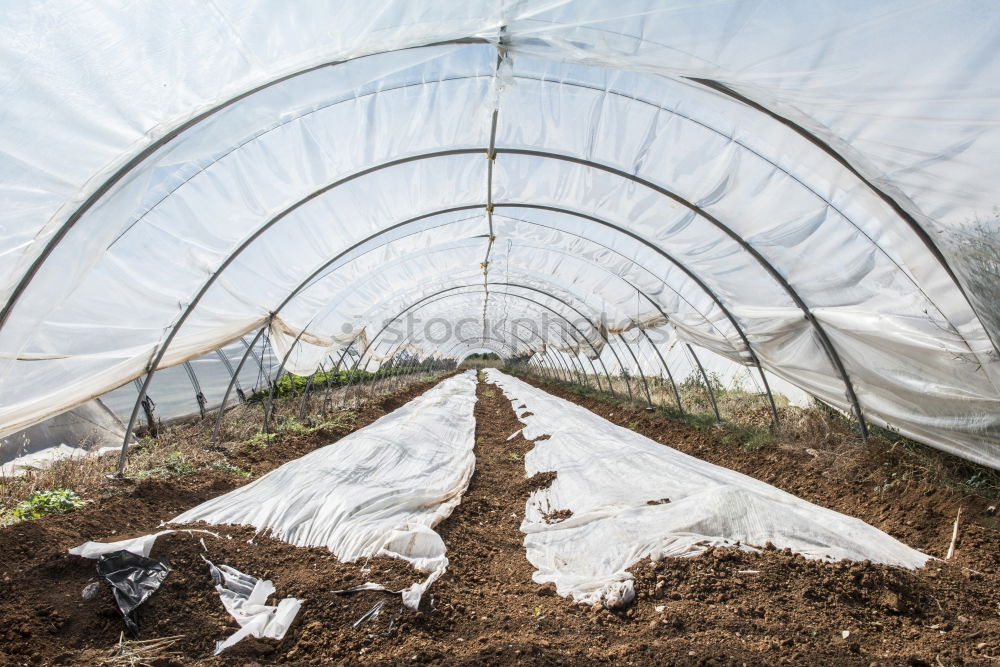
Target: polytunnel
x: 784, y: 188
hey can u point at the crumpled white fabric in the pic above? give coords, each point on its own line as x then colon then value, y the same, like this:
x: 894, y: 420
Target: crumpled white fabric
x: 608, y: 476
x: 245, y: 598
x: 376, y: 492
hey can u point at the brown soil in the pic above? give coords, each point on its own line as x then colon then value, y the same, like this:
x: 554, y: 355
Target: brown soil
x: 724, y: 607
x: 916, y: 512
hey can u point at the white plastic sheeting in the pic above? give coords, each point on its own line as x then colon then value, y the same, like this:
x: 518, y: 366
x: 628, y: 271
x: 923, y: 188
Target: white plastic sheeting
x: 245, y: 598
x: 221, y: 162
x: 141, y: 545
x: 376, y: 492
x: 90, y: 428
x: 607, y: 476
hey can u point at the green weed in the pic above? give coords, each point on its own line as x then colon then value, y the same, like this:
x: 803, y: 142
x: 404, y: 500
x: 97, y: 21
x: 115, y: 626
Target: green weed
x: 41, y: 503
x: 227, y: 467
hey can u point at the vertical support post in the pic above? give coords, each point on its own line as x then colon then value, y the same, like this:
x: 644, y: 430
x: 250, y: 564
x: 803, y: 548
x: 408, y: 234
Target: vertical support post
x: 670, y: 376
x: 305, y: 394
x: 770, y: 398
x: 199, y: 397
x: 708, y: 385
x: 269, y: 403
x: 642, y: 376
x: 232, y: 381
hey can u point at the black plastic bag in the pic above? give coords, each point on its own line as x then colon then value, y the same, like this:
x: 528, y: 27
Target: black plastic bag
x: 133, y: 578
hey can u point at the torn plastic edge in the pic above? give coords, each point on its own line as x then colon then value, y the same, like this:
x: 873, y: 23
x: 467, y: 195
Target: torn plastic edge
x: 245, y: 598
x: 369, y: 615
x: 133, y: 580
x: 138, y: 545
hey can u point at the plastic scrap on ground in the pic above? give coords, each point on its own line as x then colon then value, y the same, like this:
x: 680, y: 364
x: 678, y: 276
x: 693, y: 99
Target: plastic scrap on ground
x: 612, y: 480
x: 245, y: 598
x: 376, y: 492
x: 133, y: 578
x: 141, y: 545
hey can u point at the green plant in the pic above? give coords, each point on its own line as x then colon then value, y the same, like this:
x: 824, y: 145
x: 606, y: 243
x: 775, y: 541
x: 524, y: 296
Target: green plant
x: 41, y: 503
x: 514, y: 456
x: 226, y: 466
x: 292, y: 425
x: 176, y: 463
x: 259, y: 440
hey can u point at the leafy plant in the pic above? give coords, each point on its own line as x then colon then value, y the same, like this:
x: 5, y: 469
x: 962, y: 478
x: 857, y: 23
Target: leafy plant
x: 174, y: 464
x: 226, y: 466
x: 41, y: 503
x: 177, y: 463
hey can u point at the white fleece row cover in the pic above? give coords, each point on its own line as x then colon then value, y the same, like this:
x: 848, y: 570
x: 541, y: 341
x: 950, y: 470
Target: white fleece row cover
x: 377, y: 492
x: 607, y: 475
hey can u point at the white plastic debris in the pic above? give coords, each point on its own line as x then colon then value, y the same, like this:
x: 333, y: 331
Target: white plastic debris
x: 245, y: 598
x: 376, y: 492
x: 138, y: 545
x: 613, y: 480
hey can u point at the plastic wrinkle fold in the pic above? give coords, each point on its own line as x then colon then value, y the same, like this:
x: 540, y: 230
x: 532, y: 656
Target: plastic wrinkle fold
x: 632, y: 498
x: 133, y: 579
x: 141, y: 545
x: 245, y: 598
x: 376, y: 492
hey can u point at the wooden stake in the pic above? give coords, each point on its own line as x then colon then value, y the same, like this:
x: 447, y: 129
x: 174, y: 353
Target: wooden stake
x: 954, y: 536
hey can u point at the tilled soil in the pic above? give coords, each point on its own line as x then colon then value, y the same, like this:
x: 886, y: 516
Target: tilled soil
x: 915, y: 512
x: 724, y: 607
x: 40, y: 583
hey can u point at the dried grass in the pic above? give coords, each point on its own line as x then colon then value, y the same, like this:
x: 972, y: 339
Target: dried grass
x: 828, y: 436
x: 185, y: 446
x: 143, y: 652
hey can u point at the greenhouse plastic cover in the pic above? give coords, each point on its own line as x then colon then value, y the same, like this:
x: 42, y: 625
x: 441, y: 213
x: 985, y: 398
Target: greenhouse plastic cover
x: 376, y: 492
x: 90, y: 428
x: 808, y: 187
x: 632, y: 498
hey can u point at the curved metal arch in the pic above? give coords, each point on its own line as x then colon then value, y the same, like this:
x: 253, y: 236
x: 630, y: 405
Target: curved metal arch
x: 762, y: 261
x: 563, y: 332
x: 816, y: 141
x: 571, y: 307
x: 681, y: 296
x: 631, y: 285
x: 477, y: 287
x: 822, y: 145
x: 512, y: 331
x: 824, y: 339
x: 453, y: 346
x: 169, y: 136
x: 565, y: 372
x: 577, y: 366
x: 308, y: 281
x: 481, y: 338
x: 639, y: 291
